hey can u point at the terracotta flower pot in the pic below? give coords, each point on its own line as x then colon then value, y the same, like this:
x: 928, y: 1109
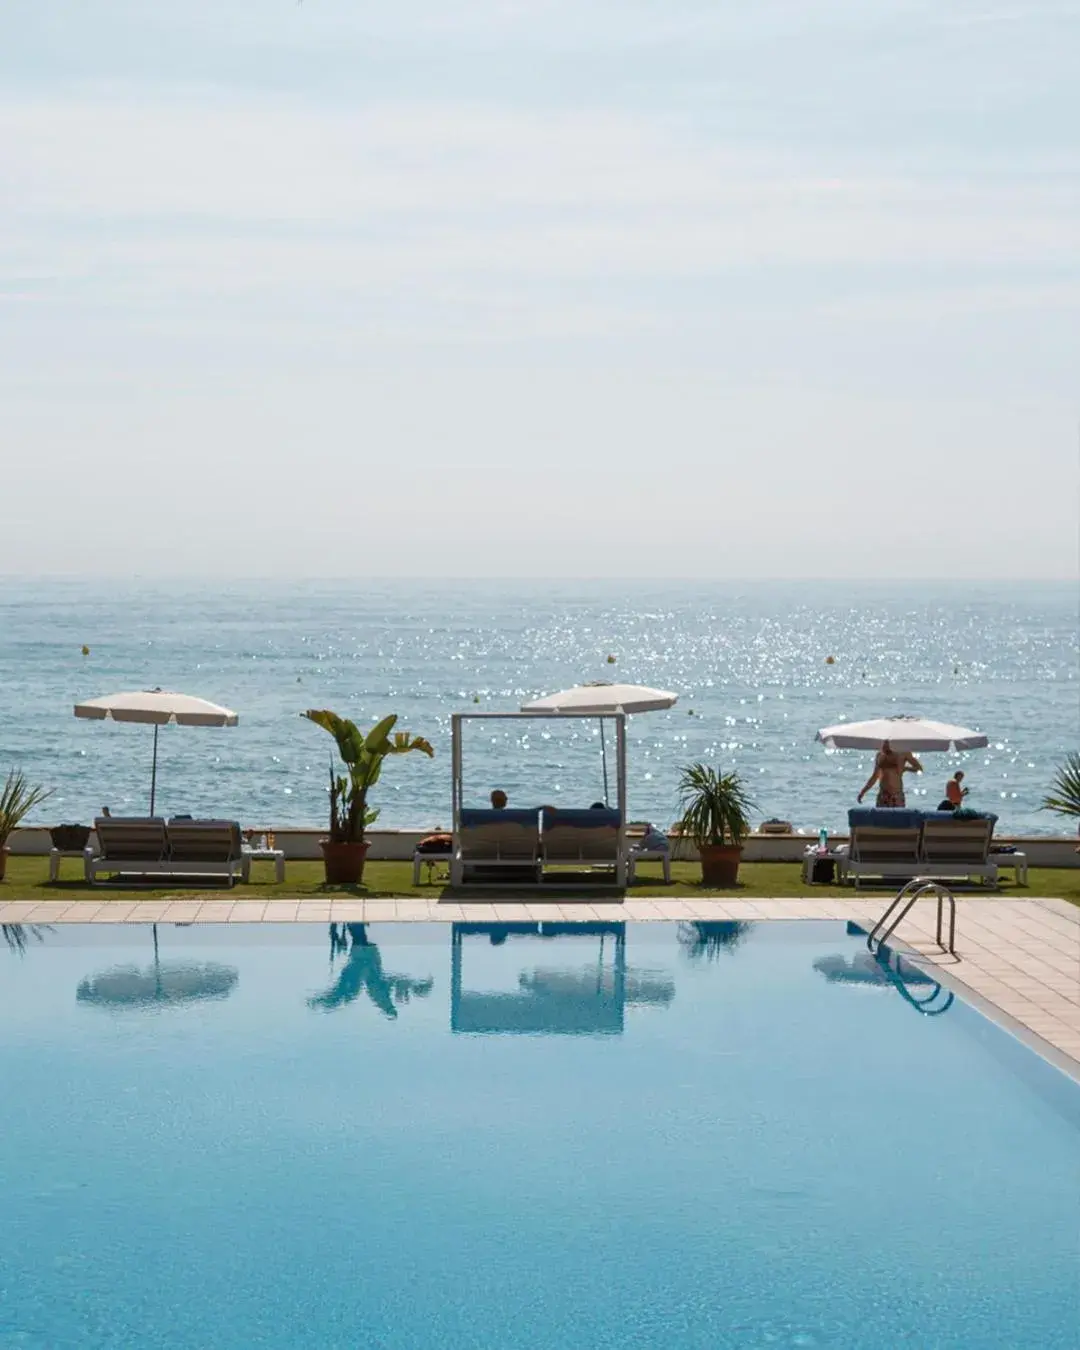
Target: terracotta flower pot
x: 719, y: 864
x: 343, y: 863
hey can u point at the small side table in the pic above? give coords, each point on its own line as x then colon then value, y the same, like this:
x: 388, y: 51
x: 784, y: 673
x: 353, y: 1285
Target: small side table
x: 1017, y: 861
x: 837, y: 856
x: 639, y: 855
x: 420, y: 860
x: 274, y: 855
x: 55, y: 854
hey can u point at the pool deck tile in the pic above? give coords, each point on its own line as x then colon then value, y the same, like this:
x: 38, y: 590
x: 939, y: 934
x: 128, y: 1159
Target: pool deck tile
x: 215, y: 911
x: 1020, y: 956
x: 247, y: 911
x: 281, y: 911
x: 347, y: 911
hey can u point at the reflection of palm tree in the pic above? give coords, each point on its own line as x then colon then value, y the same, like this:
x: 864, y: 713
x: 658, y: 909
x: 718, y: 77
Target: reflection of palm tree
x: 363, y: 973
x: 18, y: 935
x: 713, y: 938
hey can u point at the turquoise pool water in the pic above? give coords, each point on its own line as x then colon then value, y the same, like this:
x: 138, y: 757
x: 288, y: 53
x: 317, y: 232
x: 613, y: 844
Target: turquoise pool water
x: 411, y: 1136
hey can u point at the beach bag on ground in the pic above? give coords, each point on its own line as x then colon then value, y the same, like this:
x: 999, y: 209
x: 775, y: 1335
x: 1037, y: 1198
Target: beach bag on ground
x: 823, y: 872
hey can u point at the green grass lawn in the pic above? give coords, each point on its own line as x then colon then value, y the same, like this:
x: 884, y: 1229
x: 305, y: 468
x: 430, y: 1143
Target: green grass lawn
x: 27, y: 879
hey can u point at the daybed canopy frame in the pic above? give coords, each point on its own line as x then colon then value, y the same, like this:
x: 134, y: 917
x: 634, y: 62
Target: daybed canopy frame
x: 456, y: 726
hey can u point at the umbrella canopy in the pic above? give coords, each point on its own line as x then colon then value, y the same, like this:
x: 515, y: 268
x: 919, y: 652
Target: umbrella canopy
x: 159, y: 707
x: 602, y: 699
x: 168, y: 982
x: 903, y: 733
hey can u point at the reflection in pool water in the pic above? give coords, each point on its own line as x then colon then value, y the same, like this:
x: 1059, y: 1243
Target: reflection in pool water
x: 694, y: 1153
x: 587, y: 998
x: 713, y: 939
x: 891, y: 968
x: 18, y: 936
x: 162, y: 984
x: 363, y: 973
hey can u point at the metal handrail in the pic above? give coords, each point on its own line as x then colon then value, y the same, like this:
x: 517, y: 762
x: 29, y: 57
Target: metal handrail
x: 904, y: 899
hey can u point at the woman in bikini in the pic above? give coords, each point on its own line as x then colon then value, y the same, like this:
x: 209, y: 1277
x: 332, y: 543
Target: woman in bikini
x: 889, y: 769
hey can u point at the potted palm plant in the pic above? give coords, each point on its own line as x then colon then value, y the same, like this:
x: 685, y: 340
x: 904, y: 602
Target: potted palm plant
x: 364, y: 755
x: 1065, y: 798
x: 17, y: 800
x: 715, y: 815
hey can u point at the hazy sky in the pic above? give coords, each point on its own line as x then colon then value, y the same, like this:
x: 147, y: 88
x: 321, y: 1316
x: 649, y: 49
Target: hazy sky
x: 624, y: 287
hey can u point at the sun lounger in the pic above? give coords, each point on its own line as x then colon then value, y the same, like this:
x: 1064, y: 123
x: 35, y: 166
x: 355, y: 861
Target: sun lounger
x: 150, y: 847
x: 884, y: 843
x: 497, y: 846
x: 893, y: 843
x: 591, y: 839
x: 957, y: 847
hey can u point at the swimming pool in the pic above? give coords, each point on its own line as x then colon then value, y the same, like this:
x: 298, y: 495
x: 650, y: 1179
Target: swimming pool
x: 488, y: 1136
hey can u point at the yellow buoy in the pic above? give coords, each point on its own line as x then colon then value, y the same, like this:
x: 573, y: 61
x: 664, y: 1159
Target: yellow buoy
x: 610, y: 660
x: 85, y: 650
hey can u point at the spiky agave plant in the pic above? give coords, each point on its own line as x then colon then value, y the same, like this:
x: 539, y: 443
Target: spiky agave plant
x: 715, y: 806
x: 1065, y: 797
x: 17, y: 800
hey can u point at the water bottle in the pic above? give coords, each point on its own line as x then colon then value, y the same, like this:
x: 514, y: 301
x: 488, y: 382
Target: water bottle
x: 823, y: 840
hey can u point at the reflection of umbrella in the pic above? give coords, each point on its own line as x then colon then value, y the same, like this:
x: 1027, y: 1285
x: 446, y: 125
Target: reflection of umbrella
x: 903, y: 733
x: 165, y: 982
x: 603, y: 700
x: 158, y: 706
x: 171, y: 982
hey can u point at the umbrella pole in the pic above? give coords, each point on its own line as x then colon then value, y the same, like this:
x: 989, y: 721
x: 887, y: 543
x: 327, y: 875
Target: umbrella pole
x: 603, y: 754
x: 153, y: 773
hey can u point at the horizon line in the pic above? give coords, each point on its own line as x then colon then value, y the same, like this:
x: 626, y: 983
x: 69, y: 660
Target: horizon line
x: 444, y: 578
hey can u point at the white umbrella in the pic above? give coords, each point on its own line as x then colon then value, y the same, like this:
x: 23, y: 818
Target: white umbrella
x: 159, y: 706
x: 903, y: 733
x: 602, y: 699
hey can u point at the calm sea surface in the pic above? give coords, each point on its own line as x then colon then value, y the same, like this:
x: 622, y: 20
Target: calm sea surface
x: 748, y: 662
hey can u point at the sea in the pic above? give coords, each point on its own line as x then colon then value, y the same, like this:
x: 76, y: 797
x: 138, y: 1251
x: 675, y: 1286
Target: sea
x: 758, y: 668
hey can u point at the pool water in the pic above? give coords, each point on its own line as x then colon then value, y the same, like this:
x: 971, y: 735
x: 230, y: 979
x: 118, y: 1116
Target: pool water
x: 479, y: 1136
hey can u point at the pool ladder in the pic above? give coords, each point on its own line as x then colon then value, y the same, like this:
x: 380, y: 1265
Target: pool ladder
x: 900, y: 906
